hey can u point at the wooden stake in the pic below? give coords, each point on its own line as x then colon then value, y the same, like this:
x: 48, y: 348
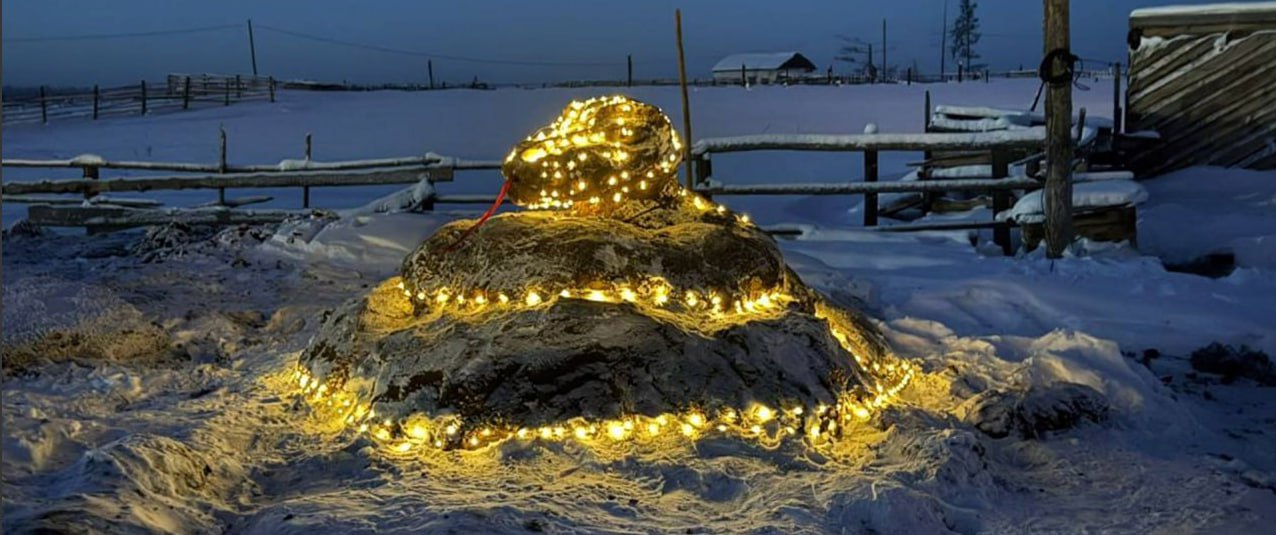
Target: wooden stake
x: 1116, y: 98
x: 95, y: 100
x: 143, y: 97
x: 686, y: 101
x: 1057, y: 196
x: 305, y: 190
x: 44, y: 104
x: 186, y: 94
x: 870, y: 199
x: 221, y: 163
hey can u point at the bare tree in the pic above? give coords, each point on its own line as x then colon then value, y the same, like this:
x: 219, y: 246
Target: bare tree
x: 965, y: 35
x: 858, y: 54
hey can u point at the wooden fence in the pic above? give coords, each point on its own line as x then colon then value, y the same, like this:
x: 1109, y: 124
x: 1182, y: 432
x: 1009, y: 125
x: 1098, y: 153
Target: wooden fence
x: 177, y: 92
x: 96, y: 211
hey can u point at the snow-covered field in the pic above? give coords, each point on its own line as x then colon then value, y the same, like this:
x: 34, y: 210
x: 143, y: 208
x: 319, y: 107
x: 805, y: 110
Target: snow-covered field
x: 197, y: 432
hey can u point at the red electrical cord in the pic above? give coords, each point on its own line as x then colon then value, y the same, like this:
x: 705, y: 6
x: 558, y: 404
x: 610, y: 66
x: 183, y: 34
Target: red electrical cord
x: 492, y: 210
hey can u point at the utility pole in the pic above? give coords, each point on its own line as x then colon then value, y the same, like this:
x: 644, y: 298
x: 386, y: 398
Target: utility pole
x: 252, y: 47
x: 883, y: 49
x: 1057, y: 197
x: 943, y: 44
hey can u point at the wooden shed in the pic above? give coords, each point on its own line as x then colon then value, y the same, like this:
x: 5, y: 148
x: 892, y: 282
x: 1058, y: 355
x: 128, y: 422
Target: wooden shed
x: 1204, y: 78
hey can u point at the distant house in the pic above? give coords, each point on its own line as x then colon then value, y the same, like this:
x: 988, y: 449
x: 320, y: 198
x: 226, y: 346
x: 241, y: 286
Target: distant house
x: 763, y: 67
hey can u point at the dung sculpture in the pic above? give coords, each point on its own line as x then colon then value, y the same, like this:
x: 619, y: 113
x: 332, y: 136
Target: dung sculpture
x: 617, y: 306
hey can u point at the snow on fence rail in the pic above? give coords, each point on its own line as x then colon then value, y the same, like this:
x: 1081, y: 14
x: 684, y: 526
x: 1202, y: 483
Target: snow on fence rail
x: 1005, y: 139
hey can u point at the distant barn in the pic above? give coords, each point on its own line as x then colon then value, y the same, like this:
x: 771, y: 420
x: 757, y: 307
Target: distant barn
x: 764, y: 68
x: 1202, y: 77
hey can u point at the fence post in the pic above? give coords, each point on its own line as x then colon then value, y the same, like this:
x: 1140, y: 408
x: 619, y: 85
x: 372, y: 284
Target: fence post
x: 91, y: 172
x: 95, y: 98
x: 1116, y: 98
x: 143, y: 97
x: 630, y: 61
x: 44, y: 106
x: 239, y: 89
x: 870, y: 199
x: 221, y: 166
x: 272, y: 88
x: 1001, y: 199
x: 186, y: 94
x: 305, y: 190
x: 227, y: 85
x: 910, y: 76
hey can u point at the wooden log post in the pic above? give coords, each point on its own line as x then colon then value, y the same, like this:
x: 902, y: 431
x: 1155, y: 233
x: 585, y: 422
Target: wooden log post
x: 186, y: 94
x: 44, y: 106
x: 870, y: 199
x: 1001, y: 199
x: 1116, y: 99
x: 96, y: 96
x: 1057, y: 195
x: 91, y: 172
x: 271, y: 84
x: 305, y: 190
x: 143, y: 97
x: 221, y: 165
x: 686, y: 100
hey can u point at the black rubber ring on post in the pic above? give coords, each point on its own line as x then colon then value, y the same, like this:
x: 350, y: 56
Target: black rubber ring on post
x: 1046, y: 70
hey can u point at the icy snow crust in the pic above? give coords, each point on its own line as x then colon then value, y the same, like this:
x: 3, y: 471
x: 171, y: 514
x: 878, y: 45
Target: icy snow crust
x: 208, y: 439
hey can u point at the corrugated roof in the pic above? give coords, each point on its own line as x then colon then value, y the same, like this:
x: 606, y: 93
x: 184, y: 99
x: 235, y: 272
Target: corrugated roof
x: 764, y: 61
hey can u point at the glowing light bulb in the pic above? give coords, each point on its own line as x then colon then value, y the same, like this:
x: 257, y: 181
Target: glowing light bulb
x: 533, y: 299
x: 503, y: 298
x: 860, y: 412
x: 581, y: 433
x: 595, y: 295
x: 628, y: 295
x: 417, y: 432
x: 616, y: 430
x: 764, y: 413
x: 696, y: 419
x: 403, y: 447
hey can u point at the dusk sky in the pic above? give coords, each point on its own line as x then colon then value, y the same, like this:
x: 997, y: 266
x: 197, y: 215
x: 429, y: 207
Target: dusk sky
x: 574, y: 35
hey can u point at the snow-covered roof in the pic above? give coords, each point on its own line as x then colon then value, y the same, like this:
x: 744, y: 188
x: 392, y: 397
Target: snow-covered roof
x: 1235, y: 8
x: 764, y: 61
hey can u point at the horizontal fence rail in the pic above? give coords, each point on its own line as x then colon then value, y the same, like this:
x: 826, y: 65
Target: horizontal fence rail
x: 1006, y: 139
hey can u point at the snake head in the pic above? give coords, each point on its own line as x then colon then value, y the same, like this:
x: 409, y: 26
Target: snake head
x: 598, y: 154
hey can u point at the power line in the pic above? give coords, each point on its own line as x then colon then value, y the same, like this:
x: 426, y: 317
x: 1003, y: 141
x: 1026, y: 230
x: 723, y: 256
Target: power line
x: 92, y: 37
x: 422, y: 54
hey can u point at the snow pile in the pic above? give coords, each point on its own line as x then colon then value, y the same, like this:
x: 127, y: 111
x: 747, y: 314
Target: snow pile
x: 1198, y: 211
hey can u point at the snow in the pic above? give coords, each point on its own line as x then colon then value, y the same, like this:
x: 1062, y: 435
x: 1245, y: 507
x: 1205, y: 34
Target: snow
x: 205, y: 438
x: 1100, y: 194
x: 1239, y: 9
x: 1223, y: 210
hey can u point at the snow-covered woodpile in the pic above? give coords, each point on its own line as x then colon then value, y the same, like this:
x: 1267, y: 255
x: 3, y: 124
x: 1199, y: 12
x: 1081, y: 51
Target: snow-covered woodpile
x: 1201, y: 77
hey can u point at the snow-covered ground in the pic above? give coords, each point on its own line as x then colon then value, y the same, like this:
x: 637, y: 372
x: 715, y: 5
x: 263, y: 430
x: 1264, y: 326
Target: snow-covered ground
x: 201, y: 434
